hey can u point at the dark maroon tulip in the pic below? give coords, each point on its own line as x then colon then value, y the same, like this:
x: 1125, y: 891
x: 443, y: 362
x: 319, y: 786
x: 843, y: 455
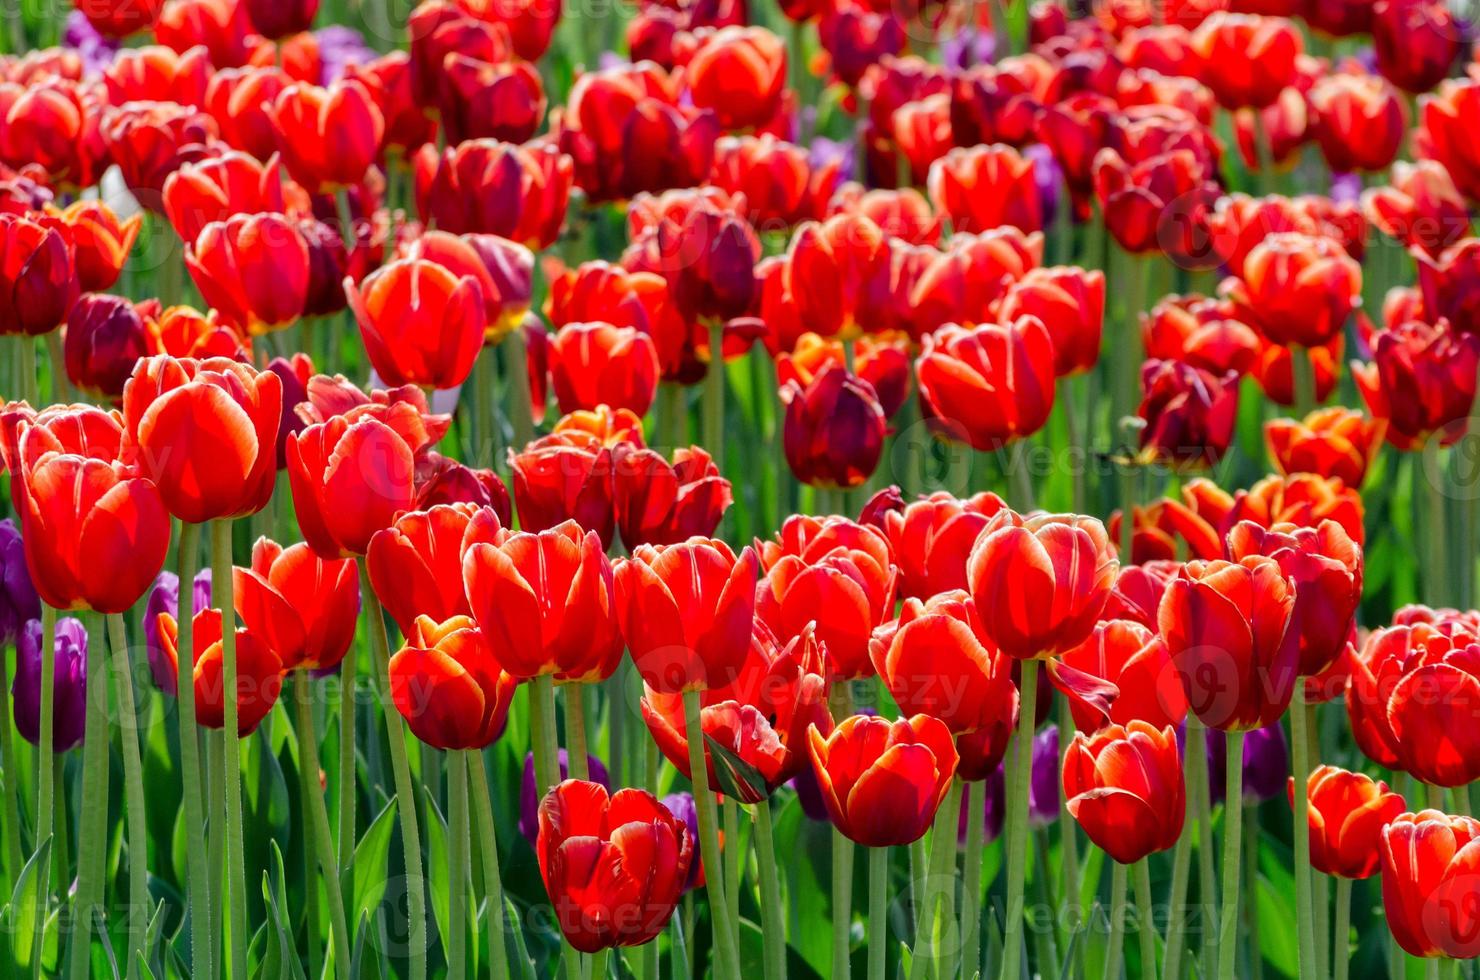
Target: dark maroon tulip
x: 833, y: 435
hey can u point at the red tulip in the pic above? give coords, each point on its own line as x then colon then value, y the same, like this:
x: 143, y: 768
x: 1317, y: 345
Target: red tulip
x: 1130, y: 655
x: 37, y: 276
x: 1246, y: 59
x: 1428, y: 883
x: 1332, y: 442
x: 1138, y: 589
x: 1040, y: 582
x: 599, y: 364
x: 558, y: 479
x: 1075, y: 129
x: 1348, y: 812
x: 1274, y: 369
x: 1241, y: 223
x: 151, y: 140
x: 328, y: 137
x: 477, y: 99
x: 739, y: 73
x: 780, y: 184
x: 961, y: 285
x: 183, y: 332
x: 515, y: 192
x: 1124, y: 787
x: 931, y: 538
x: 882, y: 782
x: 987, y: 386
x: 155, y: 73
x: 55, y: 124
x: 661, y: 503
x: 100, y: 243
x: 1299, y: 289
x: 614, y: 866
x: 686, y: 612
x: 836, y: 271
x: 241, y: 101
x: 1200, y: 332
x: 1071, y: 304
x: 1419, y: 206
x: 447, y: 685
x: 834, y: 429
x: 1161, y: 203
x: 259, y: 678
x: 218, y: 187
x: 986, y: 187
x: 253, y: 269
x: 408, y: 127
x: 1229, y: 628
x: 1416, y: 42
x: 1421, y: 382
x: 206, y: 432
x: 530, y: 23
x: 856, y: 37
x: 903, y: 214
x: 415, y: 565
x: 1189, y: 413
x: 119, y: 18
x: 1359, y: 120
x: 350, y: 479
x: 1448, y: 284
x: 503, y: 269
x: 220, y: 25
x: 277, y: 19
x: 993, y: 104
x: 302, y: 607
x: 882, y: 360
x: 421, y: 323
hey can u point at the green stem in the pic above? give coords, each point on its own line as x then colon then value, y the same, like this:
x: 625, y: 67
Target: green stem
x: 406, y: 809
x: 1251, y: 894
x: 1304, y: 380
x: 733, y: 851
x: 493, y: 886
x: 61, y: 390
x: 197, y: 870
x: 1233, y: 813
x: 971, y: 881
x: 773, y: 925
x: 88, y: 903
x: 1146, y: 913
x: 1300, y: 868
x: 484, y: 428
x: 726, y: 956
x: 30, y: 388
x: 457, y: 865
x: 1068, y: 835
x: 46, y: 759
x: 1017, y: 820
x: 1207, y: 877
x: 940, y: 886
x: 1431, y: 474
x: 878, y: 911
x: 346, y: 219
x: 137, y: 824
x: 236, y: 874
x: 349, y: 669
x: 1113, y: 956
x: 598, y: 963
x: 1341, y: 949
x: 1130, y: 498
x: 319, y: 842
x: 516, y: 373
x: 10, y: 783
x: 575, y: 731
x: 714, y: 396
x: 842, y: 903
x: 542, y: 733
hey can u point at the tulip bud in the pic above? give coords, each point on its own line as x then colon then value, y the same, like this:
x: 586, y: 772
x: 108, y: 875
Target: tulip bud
x: 259, y: 679
x: 253, y: 269
x: 1189, y: 413
x: 1416, y: 42
x: 1247, y: 59
x: 1428, y: 873
x: 38, y: 281
x: 103, y: 340
x: 1359, y: 121
x: 329, y: 137
x: 1129, y: 817
x: 69, y: 684
x: 449, y: 687
x: 882, y: 782
x: 1348, y: 812
x: 1332, y: 442
x: 740, y: 74
x: 834, y: 429
x: 277, y: 19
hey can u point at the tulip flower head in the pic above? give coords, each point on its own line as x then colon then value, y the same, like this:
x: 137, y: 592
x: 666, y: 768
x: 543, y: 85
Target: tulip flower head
x: 1348, y: 813
x: 447, y: 684
x: 303, y: 607
x: 259, y: 679
x: 1428, y: 878
x: 69, y: 680
x: 1124, y: 786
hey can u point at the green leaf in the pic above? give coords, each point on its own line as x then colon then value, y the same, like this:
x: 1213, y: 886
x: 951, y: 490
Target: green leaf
x: 735, y: 776
x: 280, y: 936
x: 523, y: 965
x: 372, y: 854
x: 680, y: 950
x: 146, y: 972
x: 25, y: 902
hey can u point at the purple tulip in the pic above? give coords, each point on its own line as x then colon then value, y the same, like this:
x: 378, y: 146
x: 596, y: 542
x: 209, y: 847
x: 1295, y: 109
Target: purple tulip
x: 165, y: 598
x: 681, y: 805
x: 97, y: 51
x: 995, y: 786
x: 1266, y: 764
x: 529, y: 801
x: 18, y: 600
x: 1043, y: 789
x: 69, y: 702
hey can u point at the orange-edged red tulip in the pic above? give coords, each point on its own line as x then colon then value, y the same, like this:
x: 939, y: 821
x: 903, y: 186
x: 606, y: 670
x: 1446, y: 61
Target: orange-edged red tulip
x: 931, y: 538
x: 1240, y: 223
x: 220, y: 25
x: 1071, y: 304
x: 1189, y: 413
x: 253, y: 269
x: 1298, y: 289
x: 350, y: 479
x: 780, y: 183
x: 1130, y: 655
x: 1204, y: 333
x: 1416, y: 42
x: 1274, y: 369
x: 882, y: 360
x: 990, y: 385
x: 960, y: 285
x: 1246, y: 59
x: 1123, y: 784
x: 546, y: 602
x: 687, y: 611
x: 448, y: 686
x: 1420, y: 381
x: 1229, y: 628
x: 259, y: 677
x: 120, y: 18
x: 1419, y: 206
x: 739, y: 73
x: 1449, y: 286
x: 1429, y: 679
x: 408, y: 127
x: 833, y: 433
x: 1326, y: 567
x: 883, y: 781
x: 598, y: 427
x: 328, y: 137
x: 1347, y: 814
x: 277, y: 19
x: 1161, y: 203
x: 155, y: 73
x: 1360, y: 121
x: 902, y: 214
x: 100, y: 243
x: 595, y: 364
x: 301, y: 606
x: 1303, y: 499
x: 104, y: 339
x: 658, y: 502
x: 151, y: 140
x: 55, y: 123
x: 739, y: 728
x: 515, y: 192
x: 38, y: 278
x: 182, y: 331
x: 935, y: 660
x: 1428, y: 883
x: 219, y: 187
x: 206, y: 432
x: 1444, y: 133
x: 557, y: 480
x: 1040, y: 582
x: 614, y: 865
x: 837, y: 271
x: 835, y: 572
x: 241, y: 100
x: 503, y: 269
x: 1332, y: 442
x: 95, y: 532
x: 422, y: 324
x: 986, y: 187
x: 415, y: 564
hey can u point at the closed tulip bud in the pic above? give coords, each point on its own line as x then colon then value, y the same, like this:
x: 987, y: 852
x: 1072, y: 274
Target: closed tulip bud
x: 1228, y: 628
x: 1200, y: 332
x: 448, y: 686
x: 1124, y: 787
x: 421, y: 323
x: 349, y: 480
x: 739, y: 73
x: 1299, y: 289
x: 560, y: 481
x: 54, y: 124
x: 1161, y: 203
x: 206, y: 433
x: 38, y: 280
x: 614, y: 866
x: 1189, y: 413
x: 1359, y: 120
x: 241, y: 101
x: 1246, y: 59
x: 69, y: 684
x: 1416, y: 42
x: 1420, y: 381
x: 103, y: 340
x: 277, y: 19
x: 781, y: 183
x: 1332, y: 442
x: 253, y: 269
x: 882, y: 781
x: 259, y: 678
x: 987, y: 386
x: 600, y: 364
x: 709, y: 261
x: 119, y: 18
x: 328, y: 137
x: 931, y: 538
x: 1348, y: 812
x: 838, y: 270
x: 686, y: 611
x: 218, y: 187
x: 1040, y: 582
x: 303, y: 607
x: 986, y: 187
x: 515, y: 192
x: 935, y: 660
x: 100, y: 243
x: 661, y: 503
x: 857, y: 37
x: 503, y: 269
x: 1133, y: 657
x: 1428, y: 882
x: 155, y: 73
x: 834, y: 429
x: 1071, y: 304
x: 165, y: 598
x: 18, y: 600
x: 477, y: 100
